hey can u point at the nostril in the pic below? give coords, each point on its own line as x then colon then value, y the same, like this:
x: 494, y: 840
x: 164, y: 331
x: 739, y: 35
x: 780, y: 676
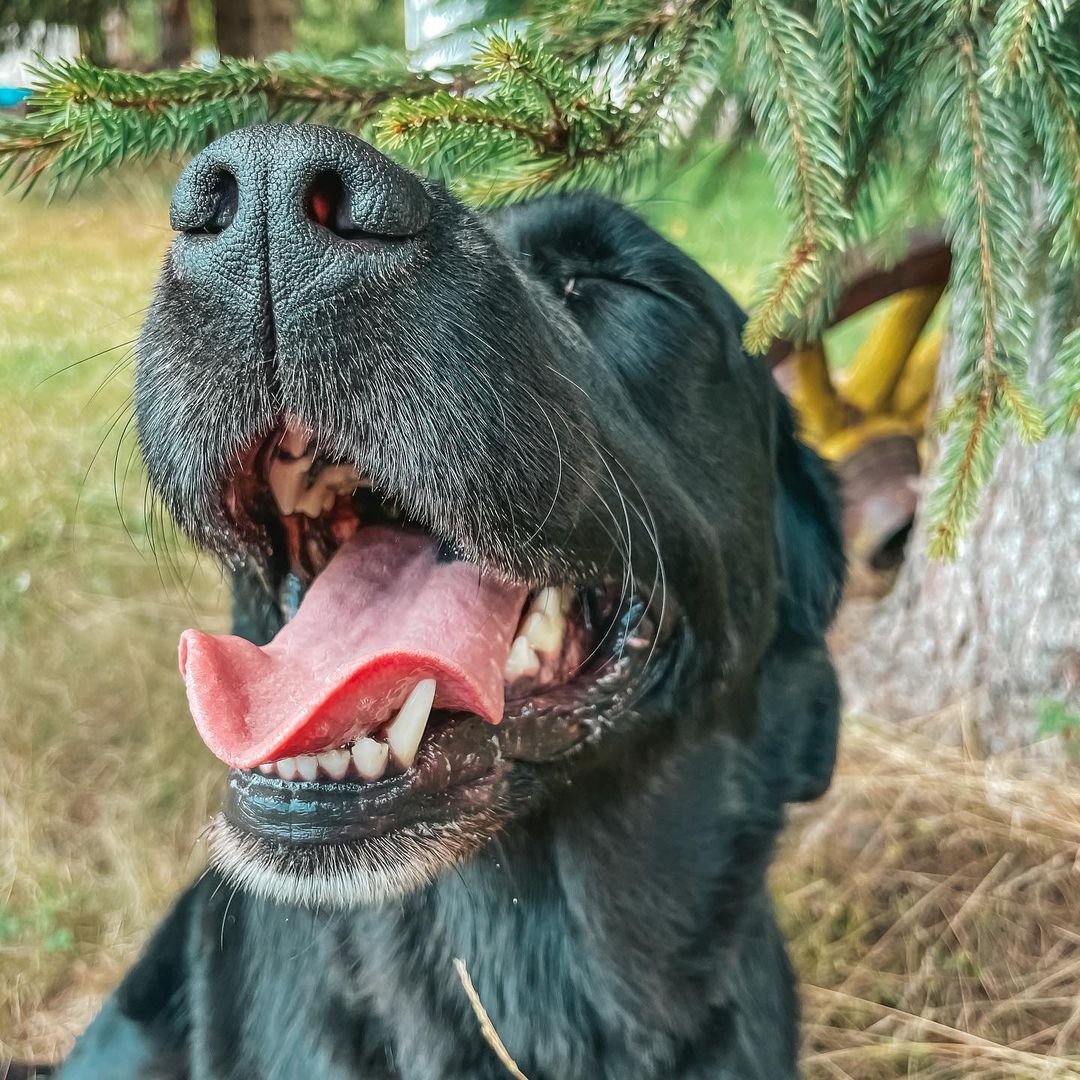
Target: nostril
x: 324, y: 201
x: 224, y: 198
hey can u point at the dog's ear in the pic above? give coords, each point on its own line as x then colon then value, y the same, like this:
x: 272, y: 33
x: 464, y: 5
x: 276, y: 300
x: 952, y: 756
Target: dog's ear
x: 800, y: 697
x: 809, y: 541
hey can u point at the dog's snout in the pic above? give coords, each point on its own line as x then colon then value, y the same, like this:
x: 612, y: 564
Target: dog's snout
x: 288, y: 204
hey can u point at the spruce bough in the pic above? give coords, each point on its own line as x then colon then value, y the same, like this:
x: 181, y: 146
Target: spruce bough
x: 860, y: 107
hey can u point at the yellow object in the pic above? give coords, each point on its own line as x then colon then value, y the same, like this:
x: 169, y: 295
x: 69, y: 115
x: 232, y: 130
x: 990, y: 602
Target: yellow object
x: 814, y: 396
x: 918, y: 417
x: 916, y: 382
x: 877, y: 367
x: 846, y: 442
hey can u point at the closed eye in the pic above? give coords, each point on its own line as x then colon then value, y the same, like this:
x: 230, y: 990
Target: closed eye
x: 574, y: 281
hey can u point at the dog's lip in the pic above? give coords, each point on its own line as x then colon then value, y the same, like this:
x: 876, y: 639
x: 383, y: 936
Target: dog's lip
x: 459, y: 767
x: 289, y: 811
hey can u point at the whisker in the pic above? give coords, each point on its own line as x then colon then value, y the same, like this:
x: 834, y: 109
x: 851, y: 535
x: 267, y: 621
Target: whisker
x: 84, y: 360
x: 114, y: 419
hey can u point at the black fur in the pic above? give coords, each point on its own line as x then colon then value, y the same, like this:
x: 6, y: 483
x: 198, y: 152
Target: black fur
x: 614, y: 917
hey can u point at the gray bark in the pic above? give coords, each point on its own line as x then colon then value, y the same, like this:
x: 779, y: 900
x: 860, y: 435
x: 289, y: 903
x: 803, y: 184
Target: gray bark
x: 996, y: 632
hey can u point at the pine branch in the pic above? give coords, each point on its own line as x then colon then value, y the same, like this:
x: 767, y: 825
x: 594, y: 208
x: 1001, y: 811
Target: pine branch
x: 583, y: 32
x: 1027, y: 416
x: 983, y: 173
x: 966, y: 464
x: 86, y: 119
x: 424, y: 126
x: 985, y: 211
x: 539, y: 122
x: 796, y: 116
x: 1022, y: 31
x: 910, y: 38
x: 877, y: 57
x: 851, y: 42
x: 1065, y: 386
x: 1054, y: 96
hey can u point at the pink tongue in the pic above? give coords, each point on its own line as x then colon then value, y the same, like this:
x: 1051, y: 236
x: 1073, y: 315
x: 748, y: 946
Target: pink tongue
x: 383, y: 614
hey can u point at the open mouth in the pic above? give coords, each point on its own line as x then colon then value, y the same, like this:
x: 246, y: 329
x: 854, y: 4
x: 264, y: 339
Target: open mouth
x: 402, y: 672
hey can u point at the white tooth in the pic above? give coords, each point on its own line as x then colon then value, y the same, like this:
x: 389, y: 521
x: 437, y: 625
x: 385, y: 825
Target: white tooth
x: 551, y: 601
x: 545, y: 622
x: 370, y: 758
x: 286, y: 768
x: 543, y: 632
x: 407, y: 728
x: 335, y: 763
x: 307, y: 765
x: 287, y: 482
x: 521, y: 661
x: 267, y: 768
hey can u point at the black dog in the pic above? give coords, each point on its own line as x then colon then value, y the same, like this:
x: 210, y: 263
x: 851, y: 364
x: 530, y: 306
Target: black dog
x: 529, y: 475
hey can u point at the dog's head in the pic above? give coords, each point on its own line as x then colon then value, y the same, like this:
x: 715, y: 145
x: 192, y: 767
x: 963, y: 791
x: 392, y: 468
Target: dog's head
x: 504, y: 499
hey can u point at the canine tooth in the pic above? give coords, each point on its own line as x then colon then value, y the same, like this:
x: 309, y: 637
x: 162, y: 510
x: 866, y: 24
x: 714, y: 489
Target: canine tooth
x: 286, y: 768
x: 545, y: 621
x: 369, y: 757
x: 335, y: 763
x: 551, y: 601
x: 543, y: 632
x: 407, y: 728
x: 287, y: 482
x: 267, y: 768
x: 521, y: 661
x: 307, y: 765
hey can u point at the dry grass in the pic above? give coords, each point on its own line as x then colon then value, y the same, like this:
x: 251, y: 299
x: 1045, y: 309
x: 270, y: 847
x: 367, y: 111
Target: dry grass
x: 931, y: 900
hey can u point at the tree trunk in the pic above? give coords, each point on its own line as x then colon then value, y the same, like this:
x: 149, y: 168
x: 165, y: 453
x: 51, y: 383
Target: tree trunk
x: 176, y: 40
x: 996, y: 632
x: 117, y: 29
x: 253, y: 28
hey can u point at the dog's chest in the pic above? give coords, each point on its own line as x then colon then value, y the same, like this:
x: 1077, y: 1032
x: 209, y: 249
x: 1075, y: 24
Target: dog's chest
x: 518, y: 955
x: 379, y: 996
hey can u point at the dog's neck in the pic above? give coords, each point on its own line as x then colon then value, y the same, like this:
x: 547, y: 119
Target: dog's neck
x: 608, y: 920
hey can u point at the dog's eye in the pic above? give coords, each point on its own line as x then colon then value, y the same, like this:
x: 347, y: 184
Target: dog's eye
x: 578, y: 284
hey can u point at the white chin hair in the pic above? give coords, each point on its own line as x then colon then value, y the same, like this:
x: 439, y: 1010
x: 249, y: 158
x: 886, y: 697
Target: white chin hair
x: 359, y: 873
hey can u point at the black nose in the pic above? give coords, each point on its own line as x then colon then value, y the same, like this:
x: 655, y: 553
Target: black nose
x: 288, y: 211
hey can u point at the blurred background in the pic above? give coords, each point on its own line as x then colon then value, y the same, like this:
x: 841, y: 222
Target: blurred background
x: 930, y: 899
